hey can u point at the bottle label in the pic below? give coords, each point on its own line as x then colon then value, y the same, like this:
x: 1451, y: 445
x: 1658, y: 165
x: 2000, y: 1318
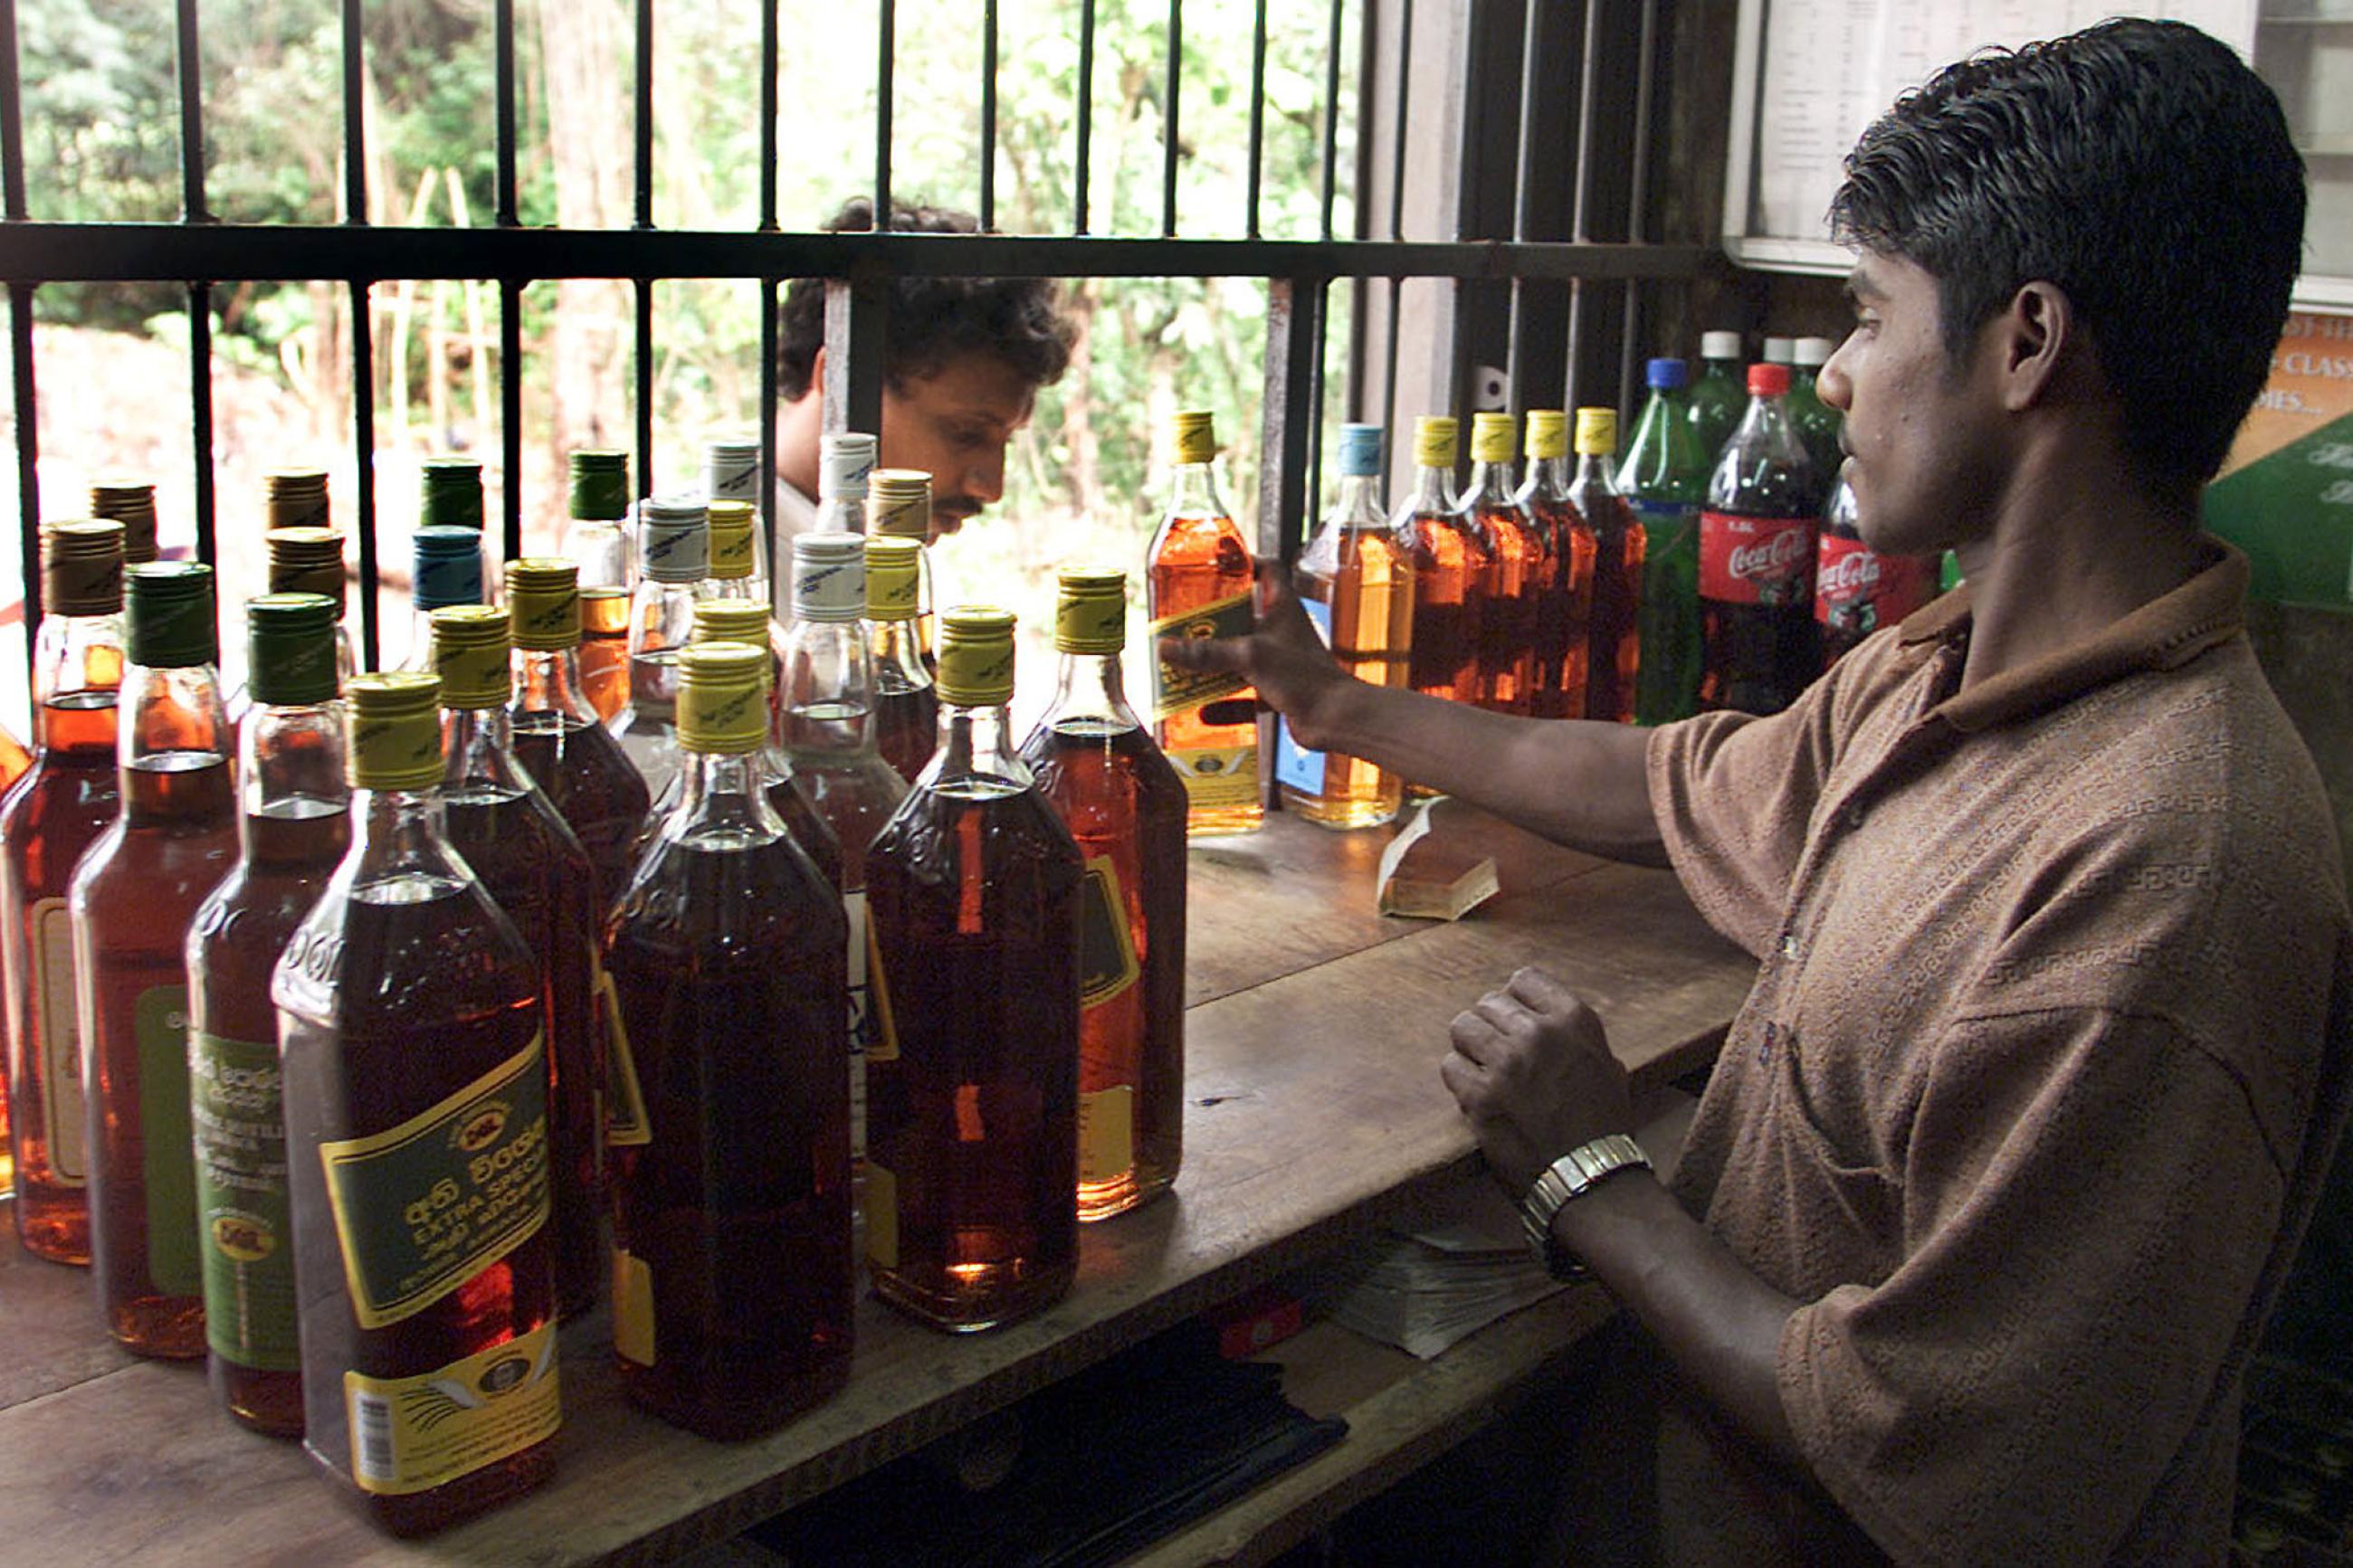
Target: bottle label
x: 62, y: 1108
x: 881, y: 1216
x: 1217, y: 778
x: 1106, y: 1134
x: 425, y: 1206
x: 159, y: 1023
x: 633, y: 1309
x: 1294, y: 765
x: 882, y: 1024
x: 1858, y: 589
x: 625, y: 1125
x: 1107, y: 965
x: 1663, y: 521
x: 242, y: 1225
x: 1176, y: 691
x: 861, y: 1018
x: 413, y: 1434
x: 1756, y: 560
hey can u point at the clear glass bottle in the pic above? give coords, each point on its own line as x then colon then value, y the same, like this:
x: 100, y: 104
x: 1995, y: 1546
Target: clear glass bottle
x: 1199, y: 583
x: 415, y: 1093
x: 1126, y: 807
x: 731, y: 475
x: 293, y: 829
x: 599, y: 502
x: 732, y: 1216
x: 1450, y: 567
x: 55, y: 812
x: 899, y: 506
x: 906, y: 702
x: 132, y: 897
x: 534, y: 869
x: 605, y: 649
x: 674, y: 543
x: 734, y: 560
x: 1564, y: 609
x: 972, y: 1090
x: 1519, y: 565
x: 1614, y: 632
x: 1356, y: 586
x: 448, y: 571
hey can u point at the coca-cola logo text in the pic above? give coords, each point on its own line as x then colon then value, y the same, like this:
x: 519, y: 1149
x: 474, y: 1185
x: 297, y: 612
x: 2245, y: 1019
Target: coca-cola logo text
x: 1772, y: 557
x: 1852, y: 575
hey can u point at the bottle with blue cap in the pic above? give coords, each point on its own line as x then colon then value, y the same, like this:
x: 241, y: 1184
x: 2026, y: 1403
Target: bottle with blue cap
x: 1663, y: 478
x: 1356, y: 584
x: 446, y: 570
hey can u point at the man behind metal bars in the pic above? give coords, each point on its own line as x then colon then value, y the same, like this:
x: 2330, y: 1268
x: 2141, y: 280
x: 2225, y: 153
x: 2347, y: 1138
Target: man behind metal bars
x: 2005, y: 1155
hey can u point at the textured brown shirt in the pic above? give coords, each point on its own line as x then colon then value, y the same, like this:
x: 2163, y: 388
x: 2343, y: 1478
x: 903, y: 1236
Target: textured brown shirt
x: 2021, y: 1109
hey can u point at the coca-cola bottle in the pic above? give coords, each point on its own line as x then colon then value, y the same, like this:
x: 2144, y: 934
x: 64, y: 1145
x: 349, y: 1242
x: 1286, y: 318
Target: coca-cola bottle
x: 1760, y: 645
x: 1856, y: 589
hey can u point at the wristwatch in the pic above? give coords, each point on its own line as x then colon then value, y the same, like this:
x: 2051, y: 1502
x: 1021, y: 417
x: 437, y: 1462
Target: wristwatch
x: 1564, y: 1179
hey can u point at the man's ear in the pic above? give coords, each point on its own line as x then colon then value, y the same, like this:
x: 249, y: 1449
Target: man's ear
x: 2031, y: 339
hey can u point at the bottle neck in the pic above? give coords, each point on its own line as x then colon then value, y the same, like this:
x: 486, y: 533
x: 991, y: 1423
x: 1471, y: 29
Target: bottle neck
x: 1358, y: 499
x: 1490, y: 485
x: 840, y: 513
x: 169, y: 711
x: 596, y: 543
x: 1764, y: 427
x: 827, y: 707
x: 547, y: 680
x: 1091, y: 686
x: 976, y: 749
x: 478, y: 749
x: 1193, y: 492
x: 289, y: 756
x: 898, y: 656
x: 1595, y: 473
x: 722, y: 800
x: 399, y: 834
x: 77, y: 653
x: 1433, y: 489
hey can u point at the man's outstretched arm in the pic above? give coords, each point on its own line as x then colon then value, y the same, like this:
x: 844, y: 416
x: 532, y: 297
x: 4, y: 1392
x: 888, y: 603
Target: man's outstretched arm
x: 1577, y: 782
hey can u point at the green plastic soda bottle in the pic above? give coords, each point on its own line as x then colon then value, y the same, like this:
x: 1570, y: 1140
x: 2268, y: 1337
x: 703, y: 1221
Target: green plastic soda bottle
x: 1665, y: 478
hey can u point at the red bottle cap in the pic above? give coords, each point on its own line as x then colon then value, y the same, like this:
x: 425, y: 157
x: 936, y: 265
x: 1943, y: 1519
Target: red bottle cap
x: 1769, y: 380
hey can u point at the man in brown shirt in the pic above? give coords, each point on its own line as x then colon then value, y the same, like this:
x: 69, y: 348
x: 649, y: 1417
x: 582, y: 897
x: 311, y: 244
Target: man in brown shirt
x: 2009, y: 1149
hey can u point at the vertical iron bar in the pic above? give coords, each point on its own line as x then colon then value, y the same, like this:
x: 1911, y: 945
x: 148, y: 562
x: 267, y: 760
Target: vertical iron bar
x: 1331, y: 116
x: 643, y: 132
x: 644, y: 379
x: 1637, y: 201
x: 200, y: 415
x: 857, y: 317
x: 189, y: 59
x: 1257, y: 114
x: 1086, y: 115
x: 511, y: 413
x: 989, y: 117
x: 12, y: 131
x: 28, y: 455
x: 885, y: 88
x: 1295, y: 315
x: 503, y: 28
x: 1360, y: 219
x: 1169, y: 120
x: 1581, y: 196
x: 1515, y: 396
x: 1315, y: 404
x: 770, y: 108
x: 354, y: 119
x: 1397, y: 206
x: 363, y: 463
x: 771, y: 331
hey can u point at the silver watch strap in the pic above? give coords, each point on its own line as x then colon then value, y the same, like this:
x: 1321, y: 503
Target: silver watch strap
x: 1568, y: 1177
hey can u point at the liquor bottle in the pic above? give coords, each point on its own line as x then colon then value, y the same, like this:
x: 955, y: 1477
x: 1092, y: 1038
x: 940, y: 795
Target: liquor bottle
x: 567, y: 751
x: 1126, y: 807
x: 972, y: 1096
x: 310, y: 560
x: 1518, y: 566
x: 51, y: 815
x: 845, y: 469
x: 1198, y: 585
x: 673, y: 544
x: 599, y: 500
x: 1449, y: 566
x: 906, y: 702
x: 532, y: 864
x: 1760, y: 645
x: 415, y: 1094
x: 734, y: 555
x: 132, y: 896
x: 448, y: 571
x: 1816, y: 422
x: 293, y: 828
x: 1614, y: 634
x: 1856, y: 589
x: 1716, y: 399
x: 604, y: 648
x: 131, y: 502
x: 1564, y: 611
x: 295, y: 497
x: 1356, y: 586
x: 449, y: 493
x: 731, y: 474
x: 899, y: 506
x: 1665, y: 478
x: 732, y: 1260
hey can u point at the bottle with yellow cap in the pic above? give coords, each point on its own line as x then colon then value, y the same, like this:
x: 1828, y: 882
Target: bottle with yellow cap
x: 1451, y: 565
x: 732, y: 1215
x: 674, y: 554
x: 597, y: 503
x: 293, y: 829
x: 133, y: 896
x: 906, y: 704
x: 735, y: 559
x: 1614, y: 632
x: 1197, y: 584
x: 1519, y: 565
x: 414, y: 1056
x: 50, y: 817
x: 899, y: 506
x: 739, y: 534
x: 1356, y: 584
x: 573, y: 758
x: 533, y: 866
x: 1126, y: 807
x: 972, y: 1087
x: 1566, y: 608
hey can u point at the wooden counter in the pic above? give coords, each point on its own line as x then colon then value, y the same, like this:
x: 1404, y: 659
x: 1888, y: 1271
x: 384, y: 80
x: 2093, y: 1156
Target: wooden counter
x: 1314, y: 1112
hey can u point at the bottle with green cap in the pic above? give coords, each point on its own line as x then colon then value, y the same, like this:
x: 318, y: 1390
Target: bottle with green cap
x: 1518, y: 565
x: 1663, y: 478
x: 732, y: 1236
x: 573, y: 756
x: 1356, y: 586
x: 293, y: 830
x: 447, y: 570
x: 1566, y: 605
x: 1125, y: 808
x: 1199, y: 583
x: 899, y: 506
x: 730, y: 479
x: 673, y: 557
x: 972, y: 1133
x: 449, y: 493
x: 533, y: 866
x: 598, y: 504
x: 132, y: 896
x: 906, y: 704
x: 1451, y: 567
x: 52, y: 815
x: 1613, y: 632
x: 413, y: 1053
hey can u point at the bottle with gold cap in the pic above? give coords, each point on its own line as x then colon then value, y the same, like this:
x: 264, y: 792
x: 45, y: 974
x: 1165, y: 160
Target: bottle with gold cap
x: 310, y: 560
x: 1564, y: 609
x: 533, y: 866
x: 1518, y: 565
x: 293, y: 828
x: 52, y: 815
x: 1356, y: 584
x: 1125, y: 808
x: 132, y: 896
x: 673, y: 553
x: 906, y: 703
x: 1451, y: 565
x: 571, y: 756
x: 730, y: 479
x: 899, y: 506
x: 414, y: 1082
x: 296, y: 498
x: 131, y: 502
x: 1198, y: 585
x: 732, y: 1216
x: 599, y: 500
x: 972, y: 1087
x: 1614, y: 634
x: 733, y: 558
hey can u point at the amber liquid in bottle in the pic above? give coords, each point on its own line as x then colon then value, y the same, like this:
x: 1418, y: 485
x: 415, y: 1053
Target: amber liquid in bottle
x: 1369, y: 595
x: 906, y: 703
x: 602, y: 799
x: 1197, y: 559
x: 1564, y: 610
x: 604, y: 648
x: 1614, y: 631
x: 1519, y: 567
x: 55, y: 813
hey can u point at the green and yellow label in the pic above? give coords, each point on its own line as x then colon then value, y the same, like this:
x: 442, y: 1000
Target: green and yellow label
x: 425, y: 1206
x: 1217, y: 776
x: 159, y: 1023
x: 1106, y: 1134
x: 1175, y: 691
x: 626, y: 1122
x: 413, y: 1434
x: 63, y: 1109
x: 1107, y: 965
x: 243, y: 1228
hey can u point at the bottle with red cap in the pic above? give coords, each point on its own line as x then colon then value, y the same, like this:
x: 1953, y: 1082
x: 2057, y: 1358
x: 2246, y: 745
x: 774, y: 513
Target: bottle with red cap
x: 1856, y: 589
x: 1758, y: 640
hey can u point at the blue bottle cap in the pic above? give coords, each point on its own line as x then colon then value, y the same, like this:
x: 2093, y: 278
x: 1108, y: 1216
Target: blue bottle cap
x: 1665, y: 374
x: 448, y: 567
x: 1360, y: 451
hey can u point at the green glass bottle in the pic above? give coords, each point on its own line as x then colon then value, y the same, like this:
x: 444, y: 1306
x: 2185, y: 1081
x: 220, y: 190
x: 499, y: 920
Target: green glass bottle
x: 1665, y: 478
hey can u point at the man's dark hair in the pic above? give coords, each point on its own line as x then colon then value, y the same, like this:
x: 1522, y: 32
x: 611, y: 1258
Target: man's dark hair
x: 2141, y: 168
x: 933, y: 320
